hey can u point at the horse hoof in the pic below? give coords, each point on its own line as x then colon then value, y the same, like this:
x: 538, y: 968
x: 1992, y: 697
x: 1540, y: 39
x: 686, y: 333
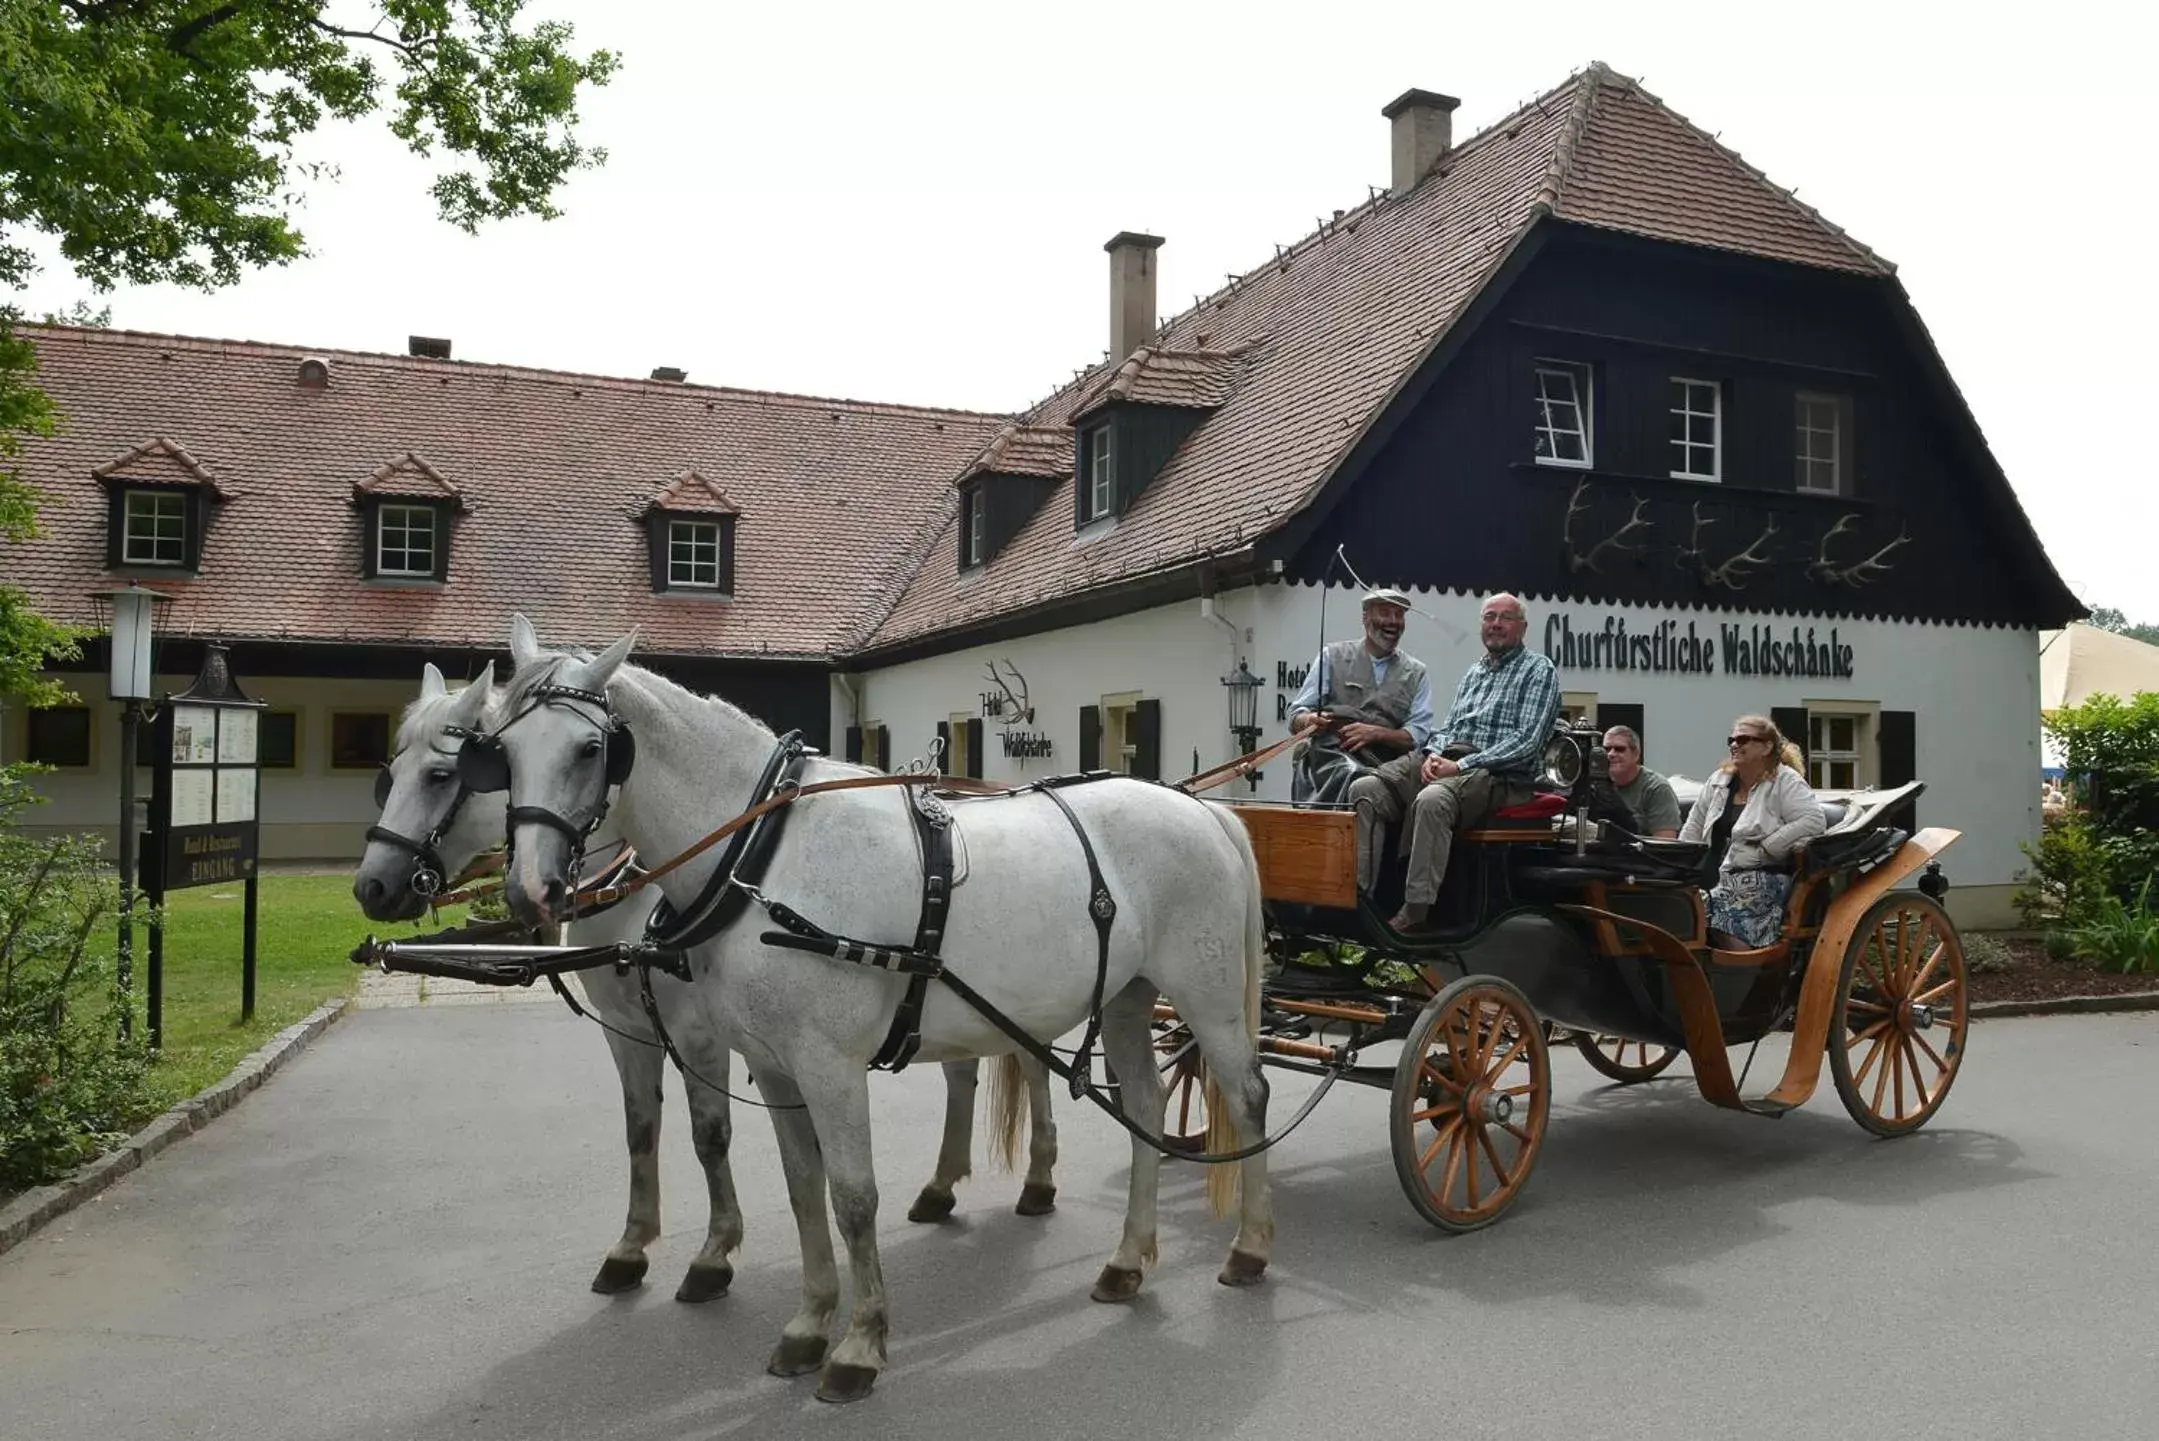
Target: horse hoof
x: 618, y: 1275
x: 797, y: 1356
x: 1116, y: 1283
x: 932, y: 1206
x: 1036, y: 1200
x: 1243, y: 1270
x: 842, y: 1383
x: 705, y: 1283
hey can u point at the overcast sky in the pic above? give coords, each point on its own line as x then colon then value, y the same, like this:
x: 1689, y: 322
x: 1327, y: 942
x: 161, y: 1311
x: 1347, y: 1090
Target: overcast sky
x: 908, y: 202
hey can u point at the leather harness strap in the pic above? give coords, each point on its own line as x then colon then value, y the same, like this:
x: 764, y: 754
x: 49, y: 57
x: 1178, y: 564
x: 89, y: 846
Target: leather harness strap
x: 933, y: 823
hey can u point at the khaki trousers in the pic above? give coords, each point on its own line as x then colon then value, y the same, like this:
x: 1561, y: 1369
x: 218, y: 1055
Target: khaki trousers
x: 1435, y: 812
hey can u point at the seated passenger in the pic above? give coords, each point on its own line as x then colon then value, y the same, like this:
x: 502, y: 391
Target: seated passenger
x: 1759, y: 801
x: 1482, y: 758
x: 1364, y: 703
x: 1647, y: 794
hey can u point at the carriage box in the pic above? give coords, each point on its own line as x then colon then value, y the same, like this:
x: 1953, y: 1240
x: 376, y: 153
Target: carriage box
x: 1305, y: 856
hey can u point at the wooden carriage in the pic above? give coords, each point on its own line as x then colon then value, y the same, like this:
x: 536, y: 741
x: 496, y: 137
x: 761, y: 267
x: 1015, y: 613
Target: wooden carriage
x: 1553, y: 921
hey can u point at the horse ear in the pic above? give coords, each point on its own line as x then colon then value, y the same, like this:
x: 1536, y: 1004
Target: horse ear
x: 472, y: 700
x: 431, y: 682
x: 601, y: 668
x: 524, y: 641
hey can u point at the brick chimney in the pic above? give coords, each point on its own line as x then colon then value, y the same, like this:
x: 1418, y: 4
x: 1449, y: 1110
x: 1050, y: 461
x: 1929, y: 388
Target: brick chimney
x: 1423, y: 132
x: 1132, y: 318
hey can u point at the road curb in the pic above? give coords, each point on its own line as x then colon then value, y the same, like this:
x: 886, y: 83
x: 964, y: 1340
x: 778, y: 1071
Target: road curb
x: 22, y: 1216
x: 2066, y: 1005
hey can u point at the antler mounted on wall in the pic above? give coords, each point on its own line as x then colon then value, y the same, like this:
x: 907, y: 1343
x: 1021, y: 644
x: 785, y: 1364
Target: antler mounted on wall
x: 1828, y: 572
x: 1007, y: 703
x: 1693, y: 557
x: 1736, y: 571
x: 1616, y: 541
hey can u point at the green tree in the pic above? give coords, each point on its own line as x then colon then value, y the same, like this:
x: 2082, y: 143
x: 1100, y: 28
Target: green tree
x: 155, y: 140
x: 2108, y: 618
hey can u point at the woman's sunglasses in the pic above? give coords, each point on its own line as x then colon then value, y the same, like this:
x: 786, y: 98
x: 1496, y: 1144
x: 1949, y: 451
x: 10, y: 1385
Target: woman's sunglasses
x: 1731, y: 741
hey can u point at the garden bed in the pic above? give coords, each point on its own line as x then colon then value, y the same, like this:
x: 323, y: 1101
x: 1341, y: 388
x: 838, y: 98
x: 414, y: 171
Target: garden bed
x: 2028, y: 973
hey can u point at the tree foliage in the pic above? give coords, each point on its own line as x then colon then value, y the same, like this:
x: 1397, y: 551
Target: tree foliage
x: 2108, y: 618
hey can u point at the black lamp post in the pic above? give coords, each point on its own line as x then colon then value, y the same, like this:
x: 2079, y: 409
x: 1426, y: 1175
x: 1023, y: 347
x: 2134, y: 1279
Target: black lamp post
x: 128, y: 613
x: 1243, y: 687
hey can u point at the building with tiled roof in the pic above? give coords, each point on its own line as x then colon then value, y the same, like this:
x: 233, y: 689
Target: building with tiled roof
x: 1588, y: 355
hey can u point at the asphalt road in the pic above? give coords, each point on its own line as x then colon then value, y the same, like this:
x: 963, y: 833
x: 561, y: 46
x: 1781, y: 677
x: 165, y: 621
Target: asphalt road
x: 393, y: 1239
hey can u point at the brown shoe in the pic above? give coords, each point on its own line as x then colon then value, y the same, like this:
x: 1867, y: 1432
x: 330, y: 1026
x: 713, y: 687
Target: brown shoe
x: 1410, y: 919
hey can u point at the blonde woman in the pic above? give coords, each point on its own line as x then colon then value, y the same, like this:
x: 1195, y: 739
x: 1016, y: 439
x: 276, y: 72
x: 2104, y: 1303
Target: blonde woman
x: 1760, y: 802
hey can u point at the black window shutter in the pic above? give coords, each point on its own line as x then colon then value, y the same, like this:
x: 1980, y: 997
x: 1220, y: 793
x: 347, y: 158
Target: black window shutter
x: 370, y: 538
x: 727, y: 555
x: 1090, y: 738
x: 1899, y: 744
x: 1621, y: 714
x: 854, y: 744
x: 1147, y: 740
x: 974, y: 749
x: 1082, y: 485
x: 442, y: 542
x: 115, y: 527
x: 884, y: 748
x: 656, y: 547
x: 944, y: 755
x: 1792, y: 720
x: 197, y: 511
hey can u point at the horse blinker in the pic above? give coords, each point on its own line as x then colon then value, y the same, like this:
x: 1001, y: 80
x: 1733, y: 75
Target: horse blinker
x: 482, y: 765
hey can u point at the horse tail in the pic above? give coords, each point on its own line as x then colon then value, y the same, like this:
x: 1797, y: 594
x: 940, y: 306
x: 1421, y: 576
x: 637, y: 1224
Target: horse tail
x: 1224, y: 1182
x: 1007, y: 1104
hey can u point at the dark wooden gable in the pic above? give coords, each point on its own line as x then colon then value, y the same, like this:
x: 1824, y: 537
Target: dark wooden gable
x: 1451, y: 493
x: 1008, y: 503
x: 1142, y: 440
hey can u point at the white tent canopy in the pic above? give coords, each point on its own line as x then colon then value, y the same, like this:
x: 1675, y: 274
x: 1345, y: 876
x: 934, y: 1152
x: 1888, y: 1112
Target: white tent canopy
x: 2081, y: 661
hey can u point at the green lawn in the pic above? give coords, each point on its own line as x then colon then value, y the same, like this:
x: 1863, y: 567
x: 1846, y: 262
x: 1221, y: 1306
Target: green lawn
x: 305, y: 929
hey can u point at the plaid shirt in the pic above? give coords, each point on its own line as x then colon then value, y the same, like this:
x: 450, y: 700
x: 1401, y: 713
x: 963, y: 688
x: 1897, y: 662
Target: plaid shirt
x: 1504, y: 707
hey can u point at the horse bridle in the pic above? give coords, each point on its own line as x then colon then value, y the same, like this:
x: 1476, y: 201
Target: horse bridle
x: 429, y: 872
x: 483, y: 766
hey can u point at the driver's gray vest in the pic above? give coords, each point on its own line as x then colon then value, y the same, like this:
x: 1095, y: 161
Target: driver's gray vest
x: 1353, y: 695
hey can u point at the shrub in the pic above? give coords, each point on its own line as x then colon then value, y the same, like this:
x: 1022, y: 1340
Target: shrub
x: 2092, y: 873
x: 69, y: 1087
x: 1987, y: 955
x: 2122, y: 936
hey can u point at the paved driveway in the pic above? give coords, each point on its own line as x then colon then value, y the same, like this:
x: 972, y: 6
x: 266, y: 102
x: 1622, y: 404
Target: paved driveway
x: 393, y: 1239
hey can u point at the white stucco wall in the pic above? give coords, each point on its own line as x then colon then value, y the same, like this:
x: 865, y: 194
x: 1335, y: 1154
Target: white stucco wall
x: 1975, y: 693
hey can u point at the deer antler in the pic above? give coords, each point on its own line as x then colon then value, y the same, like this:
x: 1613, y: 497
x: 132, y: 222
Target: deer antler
x: 1693, y: 555
x: 1575, y: 507
x: 1731, y: 573
x: 1872, y: 566
x: 1822, y: 569
x: 1025, y: 711
x: 1615, y: 541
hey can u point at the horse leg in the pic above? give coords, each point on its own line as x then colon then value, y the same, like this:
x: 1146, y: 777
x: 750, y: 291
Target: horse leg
x: 840, y: 1106
x: 955, y: 1154
x: 712, y: 1130
x: 1236, y: 1117
x: 639, y: 1069
x: 1038, y: 1196
x: 1128, y: 1043
x: 803, y: 1339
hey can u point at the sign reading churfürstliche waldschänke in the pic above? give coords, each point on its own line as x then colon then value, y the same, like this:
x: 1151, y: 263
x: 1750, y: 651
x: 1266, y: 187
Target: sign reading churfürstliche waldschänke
x: 1694, y: 648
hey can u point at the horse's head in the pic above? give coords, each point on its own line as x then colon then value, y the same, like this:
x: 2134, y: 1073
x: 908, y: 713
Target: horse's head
x: 431, y: 826
x: 559, y: 749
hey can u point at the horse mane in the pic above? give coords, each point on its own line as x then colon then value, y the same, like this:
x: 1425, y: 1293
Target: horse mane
x: 657, y: 687
x: 414, y: 724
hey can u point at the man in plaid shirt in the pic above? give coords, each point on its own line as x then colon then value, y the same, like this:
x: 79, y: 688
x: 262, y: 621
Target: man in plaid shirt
x: 1482, y: 757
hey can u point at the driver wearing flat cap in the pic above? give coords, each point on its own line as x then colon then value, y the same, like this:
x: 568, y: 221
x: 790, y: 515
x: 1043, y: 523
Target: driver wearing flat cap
x: 1364, y: 703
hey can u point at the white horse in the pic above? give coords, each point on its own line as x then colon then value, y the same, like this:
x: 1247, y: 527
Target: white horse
x: 429, y: 819
x: 1020, y: 932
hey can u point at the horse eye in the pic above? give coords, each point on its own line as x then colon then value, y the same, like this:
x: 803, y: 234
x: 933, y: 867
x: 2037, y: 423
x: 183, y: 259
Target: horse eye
x: 591, y: 748
x: 440, y: 776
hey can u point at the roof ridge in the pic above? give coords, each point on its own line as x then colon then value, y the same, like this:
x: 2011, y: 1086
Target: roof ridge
x: 1789, y: 196
x: 114, y: 335
x: 1587, y: 83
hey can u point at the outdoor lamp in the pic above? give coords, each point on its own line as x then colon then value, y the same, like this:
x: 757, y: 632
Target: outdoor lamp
x: 129, y: 611
x: 1243, y: 687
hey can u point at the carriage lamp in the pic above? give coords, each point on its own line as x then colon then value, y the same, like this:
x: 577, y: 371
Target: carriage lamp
x: 128, y: 612
x: 1243, y: 687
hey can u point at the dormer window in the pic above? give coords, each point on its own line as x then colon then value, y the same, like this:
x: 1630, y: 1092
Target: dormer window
x: 690, y: 539
x: 406, y: 508
x: 158, y: 504
x: 1101, y: 472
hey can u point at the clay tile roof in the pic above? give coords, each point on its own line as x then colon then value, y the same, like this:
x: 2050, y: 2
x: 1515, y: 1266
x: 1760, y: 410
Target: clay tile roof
x: 693, y: 493
x: 1327, y: 332
x: 409, y: 478
x: 159, y: 462
x: 1042, y: 450
x: 833, y: 493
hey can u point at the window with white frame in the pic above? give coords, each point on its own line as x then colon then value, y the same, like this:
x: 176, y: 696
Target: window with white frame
x: 1564, y: 435
x: 1697, y: 429
x: 156, y: 528
x: 1818, y: 445
x: 693, y: 554
x: 1101, y: 473
x: 405, y: 540
x: 1838, y: 749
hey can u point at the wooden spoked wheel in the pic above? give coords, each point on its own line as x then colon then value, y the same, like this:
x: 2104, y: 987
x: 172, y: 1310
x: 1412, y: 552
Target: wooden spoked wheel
x: 1184, y: 1120
x: 1625, y: 1061
x: 1897, y: 1034
x: 1472, y: 1093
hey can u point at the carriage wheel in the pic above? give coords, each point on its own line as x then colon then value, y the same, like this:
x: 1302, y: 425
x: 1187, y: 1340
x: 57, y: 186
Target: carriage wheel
x: 1472, y: 1094
x: 1625, y: 1061
x: 1896, y: 1037
x: 1184, y: 1074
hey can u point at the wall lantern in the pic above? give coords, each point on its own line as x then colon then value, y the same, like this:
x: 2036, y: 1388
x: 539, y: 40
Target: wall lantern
x: 1243, y: 688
